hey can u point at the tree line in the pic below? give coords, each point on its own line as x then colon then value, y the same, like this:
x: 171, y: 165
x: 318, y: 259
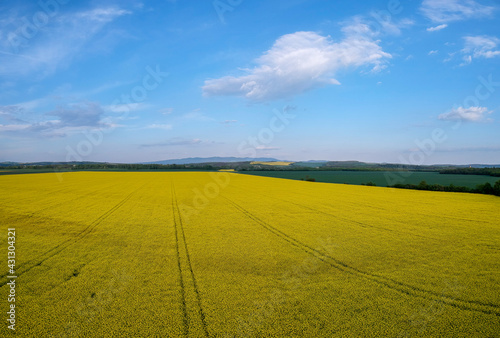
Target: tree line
x: 112, y: 166
x: 486, y: 188
x: 472, y: 171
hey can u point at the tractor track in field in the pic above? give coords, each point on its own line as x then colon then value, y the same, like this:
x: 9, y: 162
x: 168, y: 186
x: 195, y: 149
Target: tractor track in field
x: 181, y: 235
x: 382, y: 209
x: 66, y: 243
x: 28, y: 199
x: 181, y: 278
x: 361, y: 224
x: 31, y: 213
x: 365, y: 225
x: 61, y: 203
x: 469, y: 305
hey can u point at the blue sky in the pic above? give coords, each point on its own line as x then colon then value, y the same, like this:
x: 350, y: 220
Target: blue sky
x: 129, y: 81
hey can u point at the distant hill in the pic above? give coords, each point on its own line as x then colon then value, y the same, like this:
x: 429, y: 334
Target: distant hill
x: 484, y: 165
x: 349, y: 164
x: 310, y: 164
x: 333, y: 165
x: 10, y: 164
x: 193, y: 160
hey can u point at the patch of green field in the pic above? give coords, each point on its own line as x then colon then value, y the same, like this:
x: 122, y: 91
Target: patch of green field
x: 29, y: 171
x: 275, y: 163
x: 380, y: 178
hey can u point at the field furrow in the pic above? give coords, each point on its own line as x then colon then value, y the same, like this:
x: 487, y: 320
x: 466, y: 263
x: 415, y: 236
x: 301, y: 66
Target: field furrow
x: 198, y: 254
x: 182, y: 291
x: 193, y: 323
x: 410, y: 290
x: 27, y: 266
x: 331, y: 214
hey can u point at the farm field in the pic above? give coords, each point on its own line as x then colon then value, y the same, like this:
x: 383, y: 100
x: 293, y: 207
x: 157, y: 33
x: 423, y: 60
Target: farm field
x: 380, y: 177
x: 275, y: 163
x: 199, y: 254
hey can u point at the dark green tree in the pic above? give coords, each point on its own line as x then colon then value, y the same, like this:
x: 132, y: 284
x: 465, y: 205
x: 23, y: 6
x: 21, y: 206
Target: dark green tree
x: 485, y: 189
x: 496, y: 188
x: 423, y: 185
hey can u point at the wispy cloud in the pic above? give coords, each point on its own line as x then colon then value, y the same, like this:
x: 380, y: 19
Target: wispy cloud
x: 124, y: 108
x: 14, y: 127
x: 160, y: 126
x: 63, y: 39
x: 78, y: 115
x: 103, y: 15
x: 12, y: 113
x: 433, y: 52
x: 480, y: 47
x: 267, y: 148
x: 302, y: 61
x: 471, y: 114
x: 437, y: 28
x: 387, y: 25
x: 443, y: 11
x: 65, y: 120
x: 197, y: 115
x: 167, y: 111
x: 450, y: 57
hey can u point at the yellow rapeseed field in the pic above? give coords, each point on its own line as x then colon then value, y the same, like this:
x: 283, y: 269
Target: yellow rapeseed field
x: 185, y: 254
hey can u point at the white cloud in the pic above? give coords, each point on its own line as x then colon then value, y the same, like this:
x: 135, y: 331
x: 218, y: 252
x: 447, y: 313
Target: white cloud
x: 14, y: 127
x: 442, y: 11
x: 87, y: 114
x: 467, y: 60
x: 433, y: 52
x: 387, y: 24
x: 197, y: 115
x: 12, y: 113
x: 102, y: 14
x: 123, y: 108
x: 480, y: 47
x: 302, y: 61
x: 471, y: 114
x: 267, y: 148
x: 160, y: 126
x: 437, y: 28
x: 54, y: 45
x: 450, y: 57
x: 69, y: 119
x: 167, y: 111
x: 476, y: 47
